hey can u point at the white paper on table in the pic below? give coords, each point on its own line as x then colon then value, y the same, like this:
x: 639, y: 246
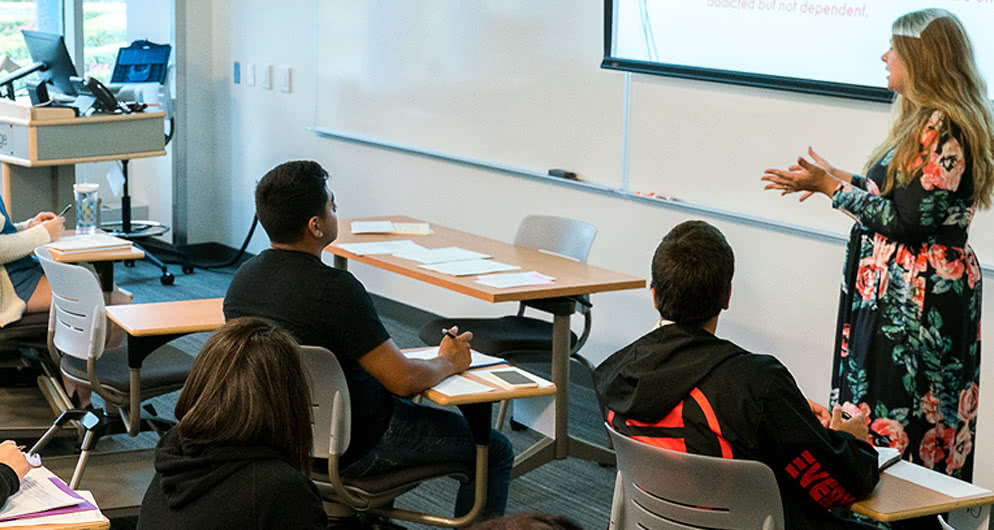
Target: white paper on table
x: 934, y: 480
x: 372, y: 227
x: 379, y: 247
x: 457, y: 385
x: 477, y: 360
x: 85, y: 516
x: 440, y: 255
x: 469, y: 268
x: 516, y: 279
x: 37, y: 494
x: 885, y: 454
x: 416, y: 229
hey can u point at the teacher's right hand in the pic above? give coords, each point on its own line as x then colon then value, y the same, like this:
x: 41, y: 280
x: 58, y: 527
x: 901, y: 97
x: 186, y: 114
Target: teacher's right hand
x: 54, y: 227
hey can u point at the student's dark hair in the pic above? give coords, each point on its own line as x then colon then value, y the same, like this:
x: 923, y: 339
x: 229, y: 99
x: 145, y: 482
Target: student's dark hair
x: 288, y: 196
x: 528, y: 521
x: 692, y: 273
x: 248, y: 388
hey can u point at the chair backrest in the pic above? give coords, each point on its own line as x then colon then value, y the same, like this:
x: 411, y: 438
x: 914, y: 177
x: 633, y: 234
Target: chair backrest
x: 665, y: 489
x: 330, y: 404
x: 560, y: 235
x: 77, y: 316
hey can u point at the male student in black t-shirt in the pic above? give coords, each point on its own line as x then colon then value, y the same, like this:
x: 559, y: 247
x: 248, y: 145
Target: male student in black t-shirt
x: 324, y: 306
x: 682, y: 388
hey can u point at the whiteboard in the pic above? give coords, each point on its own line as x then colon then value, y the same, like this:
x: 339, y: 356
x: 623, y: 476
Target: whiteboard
x: 512, y: 82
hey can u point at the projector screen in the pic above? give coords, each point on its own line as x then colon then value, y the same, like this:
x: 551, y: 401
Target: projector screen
x: 817, y: 46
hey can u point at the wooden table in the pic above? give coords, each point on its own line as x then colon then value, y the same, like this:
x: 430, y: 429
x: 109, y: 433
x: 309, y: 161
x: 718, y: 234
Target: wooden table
x: 102, y: 260
x: 572, y: 278
x: 896, y: 499
x: 151, y: 325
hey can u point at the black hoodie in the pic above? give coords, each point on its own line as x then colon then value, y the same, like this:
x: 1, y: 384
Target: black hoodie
x: 227, y: 487
x: 728, y: 402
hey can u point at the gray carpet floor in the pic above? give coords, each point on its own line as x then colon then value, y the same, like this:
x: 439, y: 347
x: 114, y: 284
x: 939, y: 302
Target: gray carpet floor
x: 580, y: 490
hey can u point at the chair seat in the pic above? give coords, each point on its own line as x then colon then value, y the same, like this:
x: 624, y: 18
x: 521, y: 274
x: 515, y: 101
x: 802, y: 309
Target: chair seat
x: 389, y: 485
x: 497, y: 336
x: 162, y: 372
x: 32, y: 328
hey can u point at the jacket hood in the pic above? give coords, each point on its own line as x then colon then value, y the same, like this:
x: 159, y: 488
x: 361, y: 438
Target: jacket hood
x: 187, y: 470
x: 658, y: 371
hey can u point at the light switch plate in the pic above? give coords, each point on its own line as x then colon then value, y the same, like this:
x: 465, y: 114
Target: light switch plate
x: 267, y: 77
x: 250, y: 74
x: 283, y: 73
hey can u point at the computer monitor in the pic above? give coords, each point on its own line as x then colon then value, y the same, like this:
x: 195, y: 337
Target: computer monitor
x: 50, y: 49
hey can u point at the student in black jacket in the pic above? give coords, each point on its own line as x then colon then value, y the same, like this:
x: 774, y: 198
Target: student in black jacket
x: 682, y: 388
x: 13, y: 466
x: 237, y: 457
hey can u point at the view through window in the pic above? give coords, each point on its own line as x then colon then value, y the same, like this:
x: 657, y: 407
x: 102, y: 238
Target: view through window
x: 105, y: 24
x: 16, y: 15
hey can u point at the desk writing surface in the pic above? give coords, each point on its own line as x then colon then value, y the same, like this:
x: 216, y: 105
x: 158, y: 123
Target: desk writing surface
x: 572, y: 277
x: 895, y: 499
x: 117, y: 254
x: 160, y: 318
x: 545, y: 388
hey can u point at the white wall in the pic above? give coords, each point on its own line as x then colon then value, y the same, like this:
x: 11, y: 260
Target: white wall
x: 786, y: 287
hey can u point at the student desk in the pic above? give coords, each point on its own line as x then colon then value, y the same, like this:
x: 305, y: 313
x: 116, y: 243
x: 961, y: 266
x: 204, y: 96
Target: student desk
x: 151, y: 325
x: 572, y: 278
x: 895, y: 499
x: 102, y: 260
x: 40, y: 146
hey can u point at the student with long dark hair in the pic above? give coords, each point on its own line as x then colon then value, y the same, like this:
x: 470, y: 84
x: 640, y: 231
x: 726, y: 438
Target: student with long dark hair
x: 238, y: 457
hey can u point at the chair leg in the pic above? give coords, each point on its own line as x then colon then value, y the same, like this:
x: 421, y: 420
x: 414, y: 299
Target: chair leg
x: 84, y: 455
x: 502, y: 414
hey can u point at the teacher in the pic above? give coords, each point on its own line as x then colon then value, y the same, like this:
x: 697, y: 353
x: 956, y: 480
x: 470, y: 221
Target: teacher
x: 908, y: 335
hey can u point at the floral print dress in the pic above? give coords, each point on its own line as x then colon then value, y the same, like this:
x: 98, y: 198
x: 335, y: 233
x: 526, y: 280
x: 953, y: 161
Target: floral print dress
x: 908, y: 337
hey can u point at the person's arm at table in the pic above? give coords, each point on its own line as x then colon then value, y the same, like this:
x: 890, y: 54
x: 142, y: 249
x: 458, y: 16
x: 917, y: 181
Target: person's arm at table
x: 407, y: 377
x: 13, y: 466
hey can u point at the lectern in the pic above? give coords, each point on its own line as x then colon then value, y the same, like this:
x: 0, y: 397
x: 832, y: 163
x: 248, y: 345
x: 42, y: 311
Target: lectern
x: 40, y: 146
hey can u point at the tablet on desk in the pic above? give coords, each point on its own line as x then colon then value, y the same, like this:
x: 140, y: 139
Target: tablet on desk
x: 511, y: 378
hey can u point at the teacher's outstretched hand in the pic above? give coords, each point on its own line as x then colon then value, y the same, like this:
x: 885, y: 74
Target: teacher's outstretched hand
x: 808, y: 177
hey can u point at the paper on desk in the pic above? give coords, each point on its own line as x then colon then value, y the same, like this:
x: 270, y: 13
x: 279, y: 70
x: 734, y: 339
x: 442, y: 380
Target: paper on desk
x: 89, y: 242
x: 414, y: 229
x: 469, y: 268
x: 440, y: 255
x: 516, y: 279
x: 38, y: 493
x: 87, y: 516
x: 885, y: 455
x: 372, y: 227
x: 388, y: 227
x: 458, y: 385
x: 478, y: 360
x: 934, y: 480
x: 379, y: 247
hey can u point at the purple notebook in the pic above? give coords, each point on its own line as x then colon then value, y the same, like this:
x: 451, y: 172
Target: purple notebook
x: 81, y: 507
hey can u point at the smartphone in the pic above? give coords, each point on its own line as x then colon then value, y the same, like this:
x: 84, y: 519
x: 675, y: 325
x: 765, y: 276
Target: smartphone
x: 511, y: 378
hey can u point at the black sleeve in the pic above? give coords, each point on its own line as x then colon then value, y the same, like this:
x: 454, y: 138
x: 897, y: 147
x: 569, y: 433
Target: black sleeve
x: 9, y: 483
x: 294, y: 502
x: 354, y: 327
x: 829, y: 468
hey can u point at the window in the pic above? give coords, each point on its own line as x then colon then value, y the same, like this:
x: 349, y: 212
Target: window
x: 15, y: 15
x: 105, y: 31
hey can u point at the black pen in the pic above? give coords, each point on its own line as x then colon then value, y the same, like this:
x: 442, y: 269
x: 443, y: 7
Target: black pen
x: 448, y: 334
x: 64, y: 210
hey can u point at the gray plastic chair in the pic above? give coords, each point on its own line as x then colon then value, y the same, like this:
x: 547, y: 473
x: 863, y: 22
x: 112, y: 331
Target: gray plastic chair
x: 513, y: 336
x: 331, y: 414
x: 663, y: 489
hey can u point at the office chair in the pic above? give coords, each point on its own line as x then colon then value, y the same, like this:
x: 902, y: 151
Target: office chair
x: 662, y: 489
x: 344, y: 497
x: 77, y: 328
x: 514, y: 337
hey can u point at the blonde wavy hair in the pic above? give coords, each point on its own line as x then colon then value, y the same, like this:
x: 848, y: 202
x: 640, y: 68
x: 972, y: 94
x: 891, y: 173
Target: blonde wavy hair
x: 942, y: 75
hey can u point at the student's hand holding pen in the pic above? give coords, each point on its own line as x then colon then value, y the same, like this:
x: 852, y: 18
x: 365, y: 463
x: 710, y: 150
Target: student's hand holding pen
x: 455, y: 347
x: 11, y: 455
x: 854, y: 424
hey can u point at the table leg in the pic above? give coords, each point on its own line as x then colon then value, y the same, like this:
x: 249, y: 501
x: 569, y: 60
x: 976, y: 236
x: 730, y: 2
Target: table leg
x: 341, y: 263
x: 975, y: 518
x: 560, y: 376
x: 105, y: 270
